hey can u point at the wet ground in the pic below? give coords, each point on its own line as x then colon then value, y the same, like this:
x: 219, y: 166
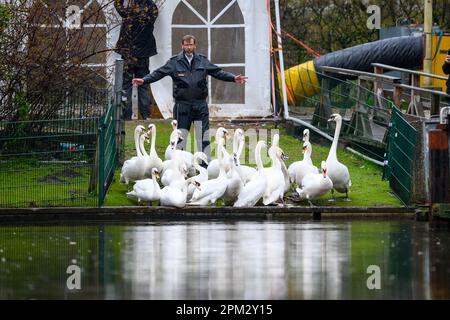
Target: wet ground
x: 357, y: 259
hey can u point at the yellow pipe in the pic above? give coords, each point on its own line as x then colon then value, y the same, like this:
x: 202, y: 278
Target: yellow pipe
x: 301, y: 81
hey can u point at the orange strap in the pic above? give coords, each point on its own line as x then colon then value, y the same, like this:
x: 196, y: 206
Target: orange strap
x: 308, y: 49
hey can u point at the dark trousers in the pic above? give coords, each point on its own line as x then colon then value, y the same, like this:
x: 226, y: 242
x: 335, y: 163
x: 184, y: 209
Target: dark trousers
x: 136, y: 68
x: 196, y: 111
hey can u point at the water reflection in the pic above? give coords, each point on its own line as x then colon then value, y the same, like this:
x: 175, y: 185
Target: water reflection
x: 232, y: 260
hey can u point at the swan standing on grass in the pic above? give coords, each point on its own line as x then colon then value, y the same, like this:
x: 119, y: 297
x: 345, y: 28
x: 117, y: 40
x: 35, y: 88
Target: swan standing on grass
x: 174, y: 170
x: 315, y: 185
x: 275, y: 178
x: 234, y: 183
x: 153, y: 160
x: 203, y: 173
x: 147, y: 190
x: 337, y: 171
x: 211, y: 190
x: 168, y: 153
x: 134, y: 169
x: 245, y: 172
x: 255, y: 188
x: 185, y: 156
x: 305, y: 163
x: 214, y: 166
x: 172, y: 196
x: 305, y: 166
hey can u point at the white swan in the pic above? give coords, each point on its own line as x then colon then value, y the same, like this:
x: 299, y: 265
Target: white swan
x: 315, y: 185
x: 337, y: 171
x: 134, y: 169
x: 174, y: 170
x: 234, y: 183
x: 214, y: 166
x: 245, y: 172
x: 283, y: 158
x: 147, y: 190
x: 275, y: 178
x: 168, y: 153
x: 153, y: 161
x: 303, y: 167
x: 255, y: 188
x: 203, y: 173
x: 211, y: 190
x: 306, y: 158
x: 185, y: 155
x: 174, y: 196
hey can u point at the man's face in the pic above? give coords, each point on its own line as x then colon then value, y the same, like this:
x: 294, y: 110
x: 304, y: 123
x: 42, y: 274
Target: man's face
x: 188, y: 46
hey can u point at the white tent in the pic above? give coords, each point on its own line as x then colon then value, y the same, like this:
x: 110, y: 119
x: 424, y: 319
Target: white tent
x: 233, y: 34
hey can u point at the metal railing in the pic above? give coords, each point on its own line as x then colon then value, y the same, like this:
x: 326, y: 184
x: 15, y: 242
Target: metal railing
x: 413, y: 93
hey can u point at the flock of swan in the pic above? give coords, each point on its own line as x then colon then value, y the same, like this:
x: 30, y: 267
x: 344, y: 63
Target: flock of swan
x: 185, y: 182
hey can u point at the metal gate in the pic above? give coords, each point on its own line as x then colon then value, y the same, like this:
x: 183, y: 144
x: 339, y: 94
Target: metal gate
x: 399, y: 157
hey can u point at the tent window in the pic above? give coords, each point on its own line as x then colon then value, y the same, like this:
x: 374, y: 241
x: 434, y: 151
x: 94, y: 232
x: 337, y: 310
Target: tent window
x: 218, y: 26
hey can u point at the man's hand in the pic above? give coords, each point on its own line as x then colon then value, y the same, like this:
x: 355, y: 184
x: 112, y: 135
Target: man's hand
x: 138, y: 81
x: 240, y: 79
x: 447, y: 59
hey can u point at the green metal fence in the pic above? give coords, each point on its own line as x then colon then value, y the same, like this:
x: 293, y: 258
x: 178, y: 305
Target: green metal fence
x: 107, y: 151
x: 399, y: 157
x: 365, y: 115
x: 59, y: 162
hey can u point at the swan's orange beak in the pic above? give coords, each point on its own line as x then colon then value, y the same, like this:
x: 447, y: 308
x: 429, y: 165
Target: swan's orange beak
x: 324, y: 173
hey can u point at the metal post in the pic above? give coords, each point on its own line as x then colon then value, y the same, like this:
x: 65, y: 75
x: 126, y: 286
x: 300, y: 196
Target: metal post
x: 280, y: 53
x: 428, y: 25
x: 120, y: 124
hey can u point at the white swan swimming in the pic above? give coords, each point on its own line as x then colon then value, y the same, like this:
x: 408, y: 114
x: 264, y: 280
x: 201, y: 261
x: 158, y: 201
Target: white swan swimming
x: 337, y: 171
x: 147, y: 190
x: 315, y: 185
x: 255, y: 188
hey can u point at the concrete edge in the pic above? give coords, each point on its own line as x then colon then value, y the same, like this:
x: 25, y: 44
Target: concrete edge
x: 133, y: 213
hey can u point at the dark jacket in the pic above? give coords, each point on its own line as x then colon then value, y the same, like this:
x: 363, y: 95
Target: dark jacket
x: 446, y: 69
x: 136, y: 32
x: 189, y: 81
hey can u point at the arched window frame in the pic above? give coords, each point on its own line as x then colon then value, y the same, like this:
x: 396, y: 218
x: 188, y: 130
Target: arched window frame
x: 209, y: 24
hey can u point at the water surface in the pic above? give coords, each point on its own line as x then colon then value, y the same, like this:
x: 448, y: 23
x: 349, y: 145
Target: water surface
x: 225, y: 260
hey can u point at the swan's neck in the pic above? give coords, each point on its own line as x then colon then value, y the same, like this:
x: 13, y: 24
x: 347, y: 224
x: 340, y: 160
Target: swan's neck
x: 333, y: 149
x: 155, y: 183
x: 258, y: 158
x: 152, y: 146
x: 307, y: 154
x: 142, y: 147
x: 235, y: 143
x: 196, y: 162
x: 240, y: 148
x: 221, y: 154
x: 137, y: 143
x: 276, y: 163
